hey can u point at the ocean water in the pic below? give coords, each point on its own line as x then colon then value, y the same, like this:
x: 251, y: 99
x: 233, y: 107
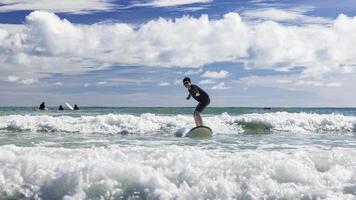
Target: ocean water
x: 132, y: 153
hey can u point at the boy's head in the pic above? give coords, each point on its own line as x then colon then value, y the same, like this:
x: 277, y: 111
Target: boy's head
x: 186, y: 81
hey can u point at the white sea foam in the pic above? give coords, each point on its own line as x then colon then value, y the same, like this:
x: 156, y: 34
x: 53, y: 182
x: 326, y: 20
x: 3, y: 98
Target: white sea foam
x: 114, y: 123
x: 300, y: 122
x: 172, y: 172
x: 152, y: 123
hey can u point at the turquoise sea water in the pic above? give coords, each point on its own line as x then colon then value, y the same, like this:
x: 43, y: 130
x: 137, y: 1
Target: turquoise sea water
x: 132, y: 153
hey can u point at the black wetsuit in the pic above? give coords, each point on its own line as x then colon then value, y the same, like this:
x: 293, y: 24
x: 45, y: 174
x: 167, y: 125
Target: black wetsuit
x: 42, y: 106
x: 203, y: 98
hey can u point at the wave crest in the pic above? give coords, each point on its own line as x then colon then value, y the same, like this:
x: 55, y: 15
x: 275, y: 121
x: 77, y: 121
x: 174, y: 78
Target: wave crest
x: 152, y: 124
x: 298, y: 122
x: 113, y: 123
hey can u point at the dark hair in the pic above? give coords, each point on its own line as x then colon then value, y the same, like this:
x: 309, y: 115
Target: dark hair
x: 185, y: 79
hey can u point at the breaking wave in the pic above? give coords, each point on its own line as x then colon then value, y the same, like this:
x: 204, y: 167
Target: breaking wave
x: 168, y: 124
x: 111, y: 123
x: 298, y: 122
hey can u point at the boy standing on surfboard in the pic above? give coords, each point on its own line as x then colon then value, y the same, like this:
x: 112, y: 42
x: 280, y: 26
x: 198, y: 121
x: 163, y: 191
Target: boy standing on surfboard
x: 198, y: 94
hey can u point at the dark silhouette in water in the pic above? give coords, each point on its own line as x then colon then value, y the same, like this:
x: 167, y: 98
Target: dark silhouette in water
x: 42, y: 106
x: 60, y: 107
x: 76, y: 107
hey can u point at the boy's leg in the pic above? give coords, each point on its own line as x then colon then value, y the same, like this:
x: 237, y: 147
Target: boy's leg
x: 200, y: 107
x: 197, y: 118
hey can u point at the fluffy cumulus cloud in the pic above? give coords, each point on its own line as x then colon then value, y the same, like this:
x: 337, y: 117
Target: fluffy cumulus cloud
x: 46, y: 44
x: 49, y: 44
x: 220, y: 86
x: 215, y: 75
x: 70, y: 6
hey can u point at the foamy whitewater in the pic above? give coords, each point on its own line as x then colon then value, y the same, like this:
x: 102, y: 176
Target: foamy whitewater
x: 132, y: 153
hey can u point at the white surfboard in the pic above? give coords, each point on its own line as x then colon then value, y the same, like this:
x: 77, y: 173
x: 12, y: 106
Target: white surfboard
x: 69, y: 106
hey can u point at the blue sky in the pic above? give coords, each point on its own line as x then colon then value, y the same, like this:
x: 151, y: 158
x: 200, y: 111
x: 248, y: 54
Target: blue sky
x: 135, y: 53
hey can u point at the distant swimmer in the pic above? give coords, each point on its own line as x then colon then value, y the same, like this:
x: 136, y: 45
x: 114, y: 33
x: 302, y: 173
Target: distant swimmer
x: 42, y: 106
x: 60, y: 107
x: 76, y: 107
x: 200, y: 95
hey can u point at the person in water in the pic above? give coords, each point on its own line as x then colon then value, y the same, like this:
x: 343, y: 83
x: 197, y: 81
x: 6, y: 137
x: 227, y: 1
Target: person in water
x: 42, y: 106
x: 198, y: 94
x: 76, y: 107
x: 60, y: 107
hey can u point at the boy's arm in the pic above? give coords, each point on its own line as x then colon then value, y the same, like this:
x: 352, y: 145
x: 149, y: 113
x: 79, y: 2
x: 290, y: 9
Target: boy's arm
x: 196, y: 91
x: 188, y: 97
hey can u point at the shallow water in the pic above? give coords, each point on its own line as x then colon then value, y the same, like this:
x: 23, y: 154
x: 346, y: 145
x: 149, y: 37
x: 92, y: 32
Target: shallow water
x: 131, y: 153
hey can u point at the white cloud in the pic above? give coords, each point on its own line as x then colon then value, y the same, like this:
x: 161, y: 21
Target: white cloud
x: 336, y: 90
x: 101, y: 82
x: 192, y: 8
x: 193, y: 72
x: 207, y: 82
x: 12, y: 78
x: 215, y: 75
x: 320, y: 50
x: 333, y: 84
x: 291, y: 15
x: 272, y: 14
x: 26, y: 81
x: 69, y: 6
x: 283, y: 81
x: 169, y: 3
x: 177, y: 82
x: 295, y: 82
x: 163, y: 84
x: 49, y: 44
x: 220, y: 86
x: 309, y: 82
